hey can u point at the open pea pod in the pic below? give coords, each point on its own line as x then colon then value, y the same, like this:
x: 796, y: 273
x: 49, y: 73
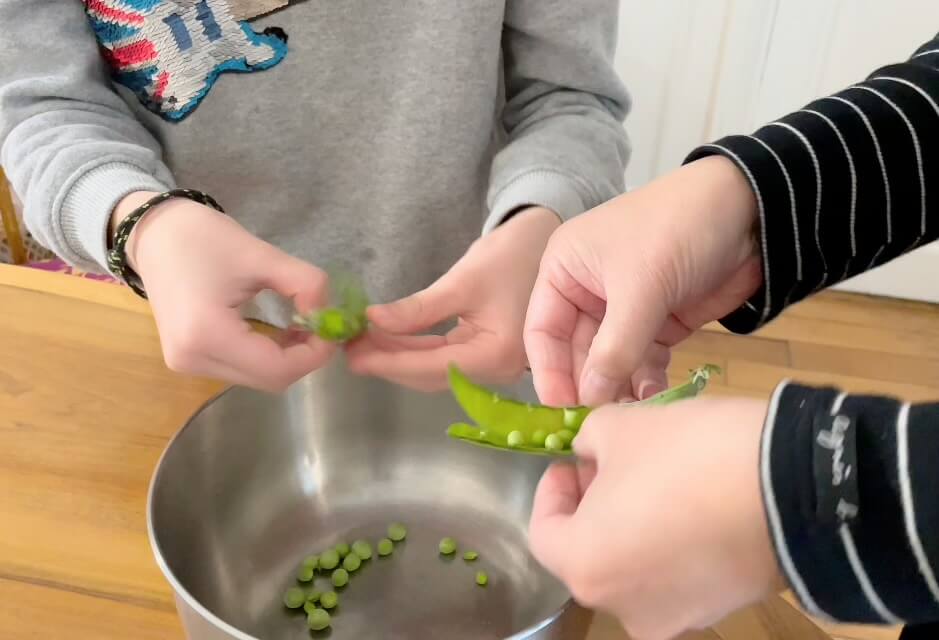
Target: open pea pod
x: 343, y: 321
x: 505, y: 423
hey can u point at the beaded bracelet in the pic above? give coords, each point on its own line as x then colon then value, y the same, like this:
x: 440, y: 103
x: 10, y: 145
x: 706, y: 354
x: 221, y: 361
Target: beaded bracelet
x: 117, y: 255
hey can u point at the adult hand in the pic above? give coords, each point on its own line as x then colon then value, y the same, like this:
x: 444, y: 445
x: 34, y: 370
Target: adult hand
x: 487, y: 290
x: 198, y: 267
x: 620, y: 284
x: 663, y: 522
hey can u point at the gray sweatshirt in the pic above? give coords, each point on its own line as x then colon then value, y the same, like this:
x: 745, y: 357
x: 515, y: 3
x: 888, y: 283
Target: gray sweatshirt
x: 366, y: 133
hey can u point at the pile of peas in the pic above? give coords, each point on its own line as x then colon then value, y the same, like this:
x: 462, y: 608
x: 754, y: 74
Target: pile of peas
x: 340, y: 562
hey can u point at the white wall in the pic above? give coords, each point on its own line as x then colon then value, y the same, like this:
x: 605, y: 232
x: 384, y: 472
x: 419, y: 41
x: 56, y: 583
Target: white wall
x: 699, y: 69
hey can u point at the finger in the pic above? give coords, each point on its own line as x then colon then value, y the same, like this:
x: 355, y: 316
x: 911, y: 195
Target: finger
x: 376, y: 339
x: 262, y: 362
x: 633, y: 319
x: 420, y: 311
x: 295, y: 279
x: 549, y: 329
x: 651, y: 377
x: 556, y: 500
x: 584, y: 332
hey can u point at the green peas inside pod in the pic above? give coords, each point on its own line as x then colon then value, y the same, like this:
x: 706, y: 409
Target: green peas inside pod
x: 344, y: 321
x: 498, y: 422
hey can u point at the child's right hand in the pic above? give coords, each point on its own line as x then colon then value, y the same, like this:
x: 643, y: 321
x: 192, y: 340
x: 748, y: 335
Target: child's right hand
x: 198, y: 267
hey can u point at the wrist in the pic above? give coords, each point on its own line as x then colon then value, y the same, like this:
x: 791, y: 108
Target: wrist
x: 729, y: 194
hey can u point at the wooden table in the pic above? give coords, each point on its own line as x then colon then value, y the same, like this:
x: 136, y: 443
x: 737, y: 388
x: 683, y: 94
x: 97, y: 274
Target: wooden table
x: 86, y: 408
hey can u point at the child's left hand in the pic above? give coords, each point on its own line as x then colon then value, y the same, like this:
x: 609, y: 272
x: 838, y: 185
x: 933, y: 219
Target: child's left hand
x: 487, y: 290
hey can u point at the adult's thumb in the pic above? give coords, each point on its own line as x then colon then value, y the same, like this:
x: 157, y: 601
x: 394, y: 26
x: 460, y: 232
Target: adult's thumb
x: 633, y: 319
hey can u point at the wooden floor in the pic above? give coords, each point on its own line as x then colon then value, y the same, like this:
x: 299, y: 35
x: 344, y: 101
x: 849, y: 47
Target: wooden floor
x: 858, y: 343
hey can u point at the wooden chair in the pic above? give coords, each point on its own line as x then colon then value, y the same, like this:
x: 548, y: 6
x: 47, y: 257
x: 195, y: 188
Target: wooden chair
x: 11, y: 225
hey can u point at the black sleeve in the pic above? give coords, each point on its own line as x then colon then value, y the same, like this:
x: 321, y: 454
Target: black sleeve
x: 844, y: 185
x: 851, y: 488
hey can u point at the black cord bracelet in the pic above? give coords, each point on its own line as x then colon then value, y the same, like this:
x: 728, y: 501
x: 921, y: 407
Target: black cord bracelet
x: 117, y: 255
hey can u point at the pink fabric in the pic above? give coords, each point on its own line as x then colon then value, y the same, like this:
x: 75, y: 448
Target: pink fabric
x: 59, y: 266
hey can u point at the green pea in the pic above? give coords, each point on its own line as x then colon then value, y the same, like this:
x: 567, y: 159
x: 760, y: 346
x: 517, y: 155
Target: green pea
x: 340, y: 578
x: 313, y: 595
x: 311, y: 561
x: 570, y: 418
x: 362, y: 549
x: 447, y: 546
x: 481, y: 578
x: 329, y: 559
x: 294, y: 597
x: 304, y: 573
x: 397, y: 532
x: 566, y: 436
x: 342, y: 549
x: 385, y: 547
x: 309, y: 607
x: 318, y: 619
x: 537, y: 438
x: 329, y: 600
x: 469, y: 556
x: 553, y: 442
x: 515, y: 439
x: 351, y: 562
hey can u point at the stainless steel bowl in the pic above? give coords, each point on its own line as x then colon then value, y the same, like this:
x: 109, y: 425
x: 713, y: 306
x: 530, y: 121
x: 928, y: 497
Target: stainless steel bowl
x: 254, y: 482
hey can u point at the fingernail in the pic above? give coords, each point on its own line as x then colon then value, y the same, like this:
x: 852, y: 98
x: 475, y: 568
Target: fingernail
x: 597, y: 388
x: 648, y: 388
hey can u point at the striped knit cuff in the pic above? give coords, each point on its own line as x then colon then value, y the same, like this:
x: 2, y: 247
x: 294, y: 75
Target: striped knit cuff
x: 850, y: 505
x: 782, y: 268
x: 85, y: 213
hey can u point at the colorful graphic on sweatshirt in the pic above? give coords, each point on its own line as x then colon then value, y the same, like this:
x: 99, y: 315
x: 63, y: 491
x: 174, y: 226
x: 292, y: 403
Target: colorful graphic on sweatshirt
x: 170, y: 52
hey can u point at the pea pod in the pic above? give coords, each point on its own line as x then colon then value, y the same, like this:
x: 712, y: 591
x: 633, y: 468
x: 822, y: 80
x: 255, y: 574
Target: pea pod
x: 346, y: 319
x: 505, y: 423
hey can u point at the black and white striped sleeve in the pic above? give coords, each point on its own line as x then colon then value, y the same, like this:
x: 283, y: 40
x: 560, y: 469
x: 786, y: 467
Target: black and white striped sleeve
x: 844, y: 185
x: 851, y: 488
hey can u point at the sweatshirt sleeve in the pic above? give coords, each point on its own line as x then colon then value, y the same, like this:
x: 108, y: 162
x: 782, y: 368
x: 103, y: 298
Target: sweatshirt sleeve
x: 843, y: 185
x: 69, y: 144
x: 564, y: 108
x: 849, y: 483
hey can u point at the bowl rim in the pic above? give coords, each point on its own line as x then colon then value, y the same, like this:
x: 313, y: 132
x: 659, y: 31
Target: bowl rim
x: 179, y: 591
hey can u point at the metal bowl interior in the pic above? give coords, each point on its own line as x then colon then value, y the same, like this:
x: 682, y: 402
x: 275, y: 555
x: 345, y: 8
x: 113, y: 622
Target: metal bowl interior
x: 254, y: 482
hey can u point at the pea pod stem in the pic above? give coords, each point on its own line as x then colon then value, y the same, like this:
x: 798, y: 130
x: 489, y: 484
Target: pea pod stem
x: 507, y: 424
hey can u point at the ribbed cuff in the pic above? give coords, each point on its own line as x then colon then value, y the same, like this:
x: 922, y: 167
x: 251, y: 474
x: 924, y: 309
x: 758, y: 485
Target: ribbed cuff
x: 849, y: 489
x: 85, y: 213
x: 542, y: 188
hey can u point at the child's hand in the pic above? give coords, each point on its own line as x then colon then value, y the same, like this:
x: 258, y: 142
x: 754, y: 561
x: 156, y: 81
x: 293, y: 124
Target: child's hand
x: 622, y: 283
x: 198, y: 266
x: 487, y: 290
x: 663, y: 522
